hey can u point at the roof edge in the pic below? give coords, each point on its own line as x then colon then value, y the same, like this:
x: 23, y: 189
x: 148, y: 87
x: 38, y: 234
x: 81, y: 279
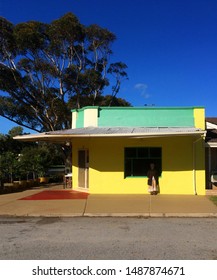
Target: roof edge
x: 139, y: 108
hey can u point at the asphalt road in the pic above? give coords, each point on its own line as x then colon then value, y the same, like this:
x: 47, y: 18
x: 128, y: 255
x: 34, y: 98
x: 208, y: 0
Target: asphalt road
x: 108, y: 238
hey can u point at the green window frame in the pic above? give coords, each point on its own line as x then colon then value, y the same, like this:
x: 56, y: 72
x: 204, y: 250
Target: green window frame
x: 137, y: 160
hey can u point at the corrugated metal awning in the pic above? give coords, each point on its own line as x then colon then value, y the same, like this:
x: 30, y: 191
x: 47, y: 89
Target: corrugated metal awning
x: 130, y: 132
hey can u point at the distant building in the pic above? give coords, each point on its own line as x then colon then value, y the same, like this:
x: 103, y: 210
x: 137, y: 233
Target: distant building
x: 211, y: 152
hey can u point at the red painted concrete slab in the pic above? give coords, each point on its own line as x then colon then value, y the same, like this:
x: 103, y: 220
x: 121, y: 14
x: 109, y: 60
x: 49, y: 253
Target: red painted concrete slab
x: 57, y: 194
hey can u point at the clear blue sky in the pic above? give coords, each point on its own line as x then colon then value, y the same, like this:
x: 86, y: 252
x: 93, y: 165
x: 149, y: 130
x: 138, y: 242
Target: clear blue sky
x: 170, y: 46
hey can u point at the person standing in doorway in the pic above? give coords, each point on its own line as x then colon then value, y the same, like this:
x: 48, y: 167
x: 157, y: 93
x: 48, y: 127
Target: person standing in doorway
x: 152, y: 175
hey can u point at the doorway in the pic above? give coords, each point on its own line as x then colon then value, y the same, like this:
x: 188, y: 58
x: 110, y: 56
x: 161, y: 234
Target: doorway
x: 83, y: 169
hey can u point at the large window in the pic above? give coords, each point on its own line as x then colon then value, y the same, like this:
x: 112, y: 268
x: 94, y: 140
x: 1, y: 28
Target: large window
x: 137, y: 160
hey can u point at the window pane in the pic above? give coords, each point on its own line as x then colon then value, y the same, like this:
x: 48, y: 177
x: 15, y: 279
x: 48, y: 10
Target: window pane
x: 130, y: 152
x: 138, y: 159
x: 155, y: 152
x: 139, y: 167
x: 128, y: 168
x: 158, y: 165
x: 142, y: 152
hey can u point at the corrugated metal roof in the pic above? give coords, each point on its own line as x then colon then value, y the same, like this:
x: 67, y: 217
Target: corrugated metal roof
x: 125, y: 130
x: 212, y: 120
x: 137, y: 132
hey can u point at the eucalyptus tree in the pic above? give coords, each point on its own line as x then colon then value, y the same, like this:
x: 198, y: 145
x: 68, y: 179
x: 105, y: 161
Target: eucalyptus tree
x: 9, y: 151
x: 47, y: 68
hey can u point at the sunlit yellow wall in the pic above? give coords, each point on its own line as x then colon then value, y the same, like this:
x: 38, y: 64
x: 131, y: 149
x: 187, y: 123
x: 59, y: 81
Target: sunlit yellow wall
x: 199, y: 118
x: 106, y: 166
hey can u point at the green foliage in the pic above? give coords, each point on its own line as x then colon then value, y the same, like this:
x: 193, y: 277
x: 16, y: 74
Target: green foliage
x: 43, y: 67
x: 34, y: 160
x: 24, y: 160
x: 7, y: 46
x: 8, y: 165
x: 9, y: 151
x: 106, y: 100
x: 30, y: 36
x: 18, y: 130
x: 7, y: 144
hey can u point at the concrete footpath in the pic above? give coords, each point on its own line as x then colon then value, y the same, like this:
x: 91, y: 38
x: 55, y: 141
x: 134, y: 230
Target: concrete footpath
x: 107, y: 205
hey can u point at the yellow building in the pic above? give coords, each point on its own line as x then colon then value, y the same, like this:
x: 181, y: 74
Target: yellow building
x: 112, y: 148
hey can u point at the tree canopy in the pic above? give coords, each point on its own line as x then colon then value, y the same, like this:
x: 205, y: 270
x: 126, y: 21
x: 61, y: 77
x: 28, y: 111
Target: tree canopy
x: 48, y: 69
x: 26, y: 160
